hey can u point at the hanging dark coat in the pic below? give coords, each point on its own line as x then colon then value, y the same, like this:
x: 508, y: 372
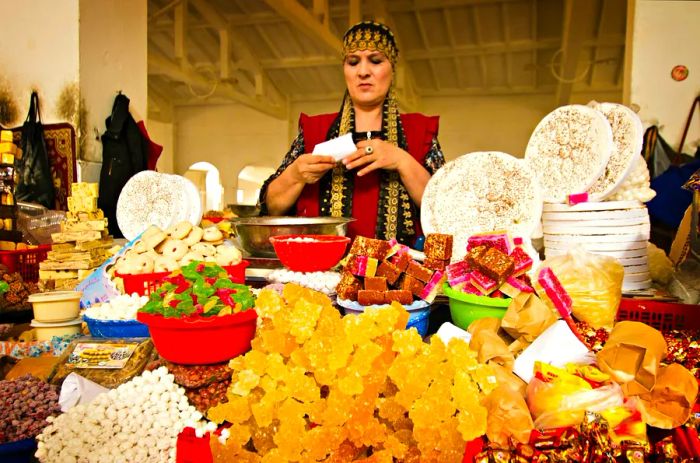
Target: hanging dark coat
x: 124, y: 154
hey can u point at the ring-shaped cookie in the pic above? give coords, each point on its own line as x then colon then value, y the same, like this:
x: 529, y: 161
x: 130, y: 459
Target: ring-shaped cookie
x: 228, y: 254
x: 180, y: 230
x: 191, y: 257
x: 165, y: 264
x: 175, y: 249
x: 155, y: 239
x: 212, y: 234
x: 141, y: 264
x: 194, y: 237
x: 204, y: 249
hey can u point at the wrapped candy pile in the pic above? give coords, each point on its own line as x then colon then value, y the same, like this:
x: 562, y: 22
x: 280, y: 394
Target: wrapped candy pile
x: 318, y: 387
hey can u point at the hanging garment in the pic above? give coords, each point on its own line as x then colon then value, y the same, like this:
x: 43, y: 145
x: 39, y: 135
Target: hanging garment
x: 124, y: 154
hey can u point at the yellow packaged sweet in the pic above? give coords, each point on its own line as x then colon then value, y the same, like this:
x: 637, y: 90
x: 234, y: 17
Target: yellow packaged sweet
x: 557, y: 398
x: 594, y: 283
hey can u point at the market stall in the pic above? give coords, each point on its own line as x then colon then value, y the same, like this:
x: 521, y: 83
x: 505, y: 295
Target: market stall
x: 535, y: 323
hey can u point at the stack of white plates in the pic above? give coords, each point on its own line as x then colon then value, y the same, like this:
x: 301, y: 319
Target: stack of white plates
x: 618, y: 229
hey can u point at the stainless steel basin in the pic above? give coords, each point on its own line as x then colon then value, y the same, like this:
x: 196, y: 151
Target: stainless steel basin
x: 254, y: 233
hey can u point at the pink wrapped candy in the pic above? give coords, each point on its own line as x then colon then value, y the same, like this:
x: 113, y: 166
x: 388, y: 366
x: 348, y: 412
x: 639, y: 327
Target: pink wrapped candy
x: 500, y: 240
x: 554, y: 292
x: 363, y: 266
x: 483, y: 283
x: 521, y: 260
x: 432, y: 287
x: 513, y: 286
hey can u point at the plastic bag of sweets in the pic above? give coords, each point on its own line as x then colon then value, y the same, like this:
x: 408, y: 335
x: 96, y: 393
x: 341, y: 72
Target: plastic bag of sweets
x: 594, y: 283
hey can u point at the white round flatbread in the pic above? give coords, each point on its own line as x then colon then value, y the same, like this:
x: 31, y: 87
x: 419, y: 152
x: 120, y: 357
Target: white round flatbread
x: 628, y: 136
x: 150, y: 198
x: 193, y: 200
x: 602, y: 216
x: 481, y: 192
x: 568, y: 151
x: 574, y: 229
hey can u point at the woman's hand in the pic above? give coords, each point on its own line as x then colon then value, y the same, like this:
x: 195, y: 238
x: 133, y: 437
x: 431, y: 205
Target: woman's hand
x: 376, y: 154
x: 379, y: 154
x: 284, y: 191
x: 309, y: 168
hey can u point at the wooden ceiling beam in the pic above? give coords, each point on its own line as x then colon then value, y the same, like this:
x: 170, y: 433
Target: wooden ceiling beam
x: 479, y: 43
x: 321, y: 12
x: 601, y: 23
x: 505, y: 25
x: 405, y: 79
x: 180, y: 31
x: 577, y: 14
x: 403, y: 6
x: 305, y: 22
x: 160, y: 106
x: 260, y: 81
x: 298, y: 63
x: 158, y: 64
x: 354, y: 12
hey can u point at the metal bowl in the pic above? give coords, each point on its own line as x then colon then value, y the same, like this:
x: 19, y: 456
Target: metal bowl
x: 254, y: 232
x: 244, y: 210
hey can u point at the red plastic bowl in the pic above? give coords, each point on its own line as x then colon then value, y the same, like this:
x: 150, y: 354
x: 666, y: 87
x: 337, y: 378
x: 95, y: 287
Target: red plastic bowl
x: 201, y: 341
x: 318, y: 255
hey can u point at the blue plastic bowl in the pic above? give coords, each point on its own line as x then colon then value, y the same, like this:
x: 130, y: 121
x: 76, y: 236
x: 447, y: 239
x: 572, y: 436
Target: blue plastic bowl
x: 419, y: 319
x: 20, y: 451
x: 116, y: 328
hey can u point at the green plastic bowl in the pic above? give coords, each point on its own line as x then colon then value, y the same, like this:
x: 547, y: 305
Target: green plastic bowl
x: 465, y: 307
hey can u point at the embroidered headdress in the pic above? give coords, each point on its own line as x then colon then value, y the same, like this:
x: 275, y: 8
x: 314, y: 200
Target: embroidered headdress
x: 369, y: 35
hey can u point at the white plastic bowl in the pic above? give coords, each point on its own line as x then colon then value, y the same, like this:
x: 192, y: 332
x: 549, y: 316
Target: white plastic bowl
x: 56, y: 306
x: 46, y: 331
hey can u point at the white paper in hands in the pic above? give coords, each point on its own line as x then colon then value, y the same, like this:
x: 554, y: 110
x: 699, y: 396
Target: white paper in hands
x: 338, y: 148
x: 78, y: 390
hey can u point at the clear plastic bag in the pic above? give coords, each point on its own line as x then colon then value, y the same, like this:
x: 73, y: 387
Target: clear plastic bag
x: 594, y: 283
x: 563, y: 402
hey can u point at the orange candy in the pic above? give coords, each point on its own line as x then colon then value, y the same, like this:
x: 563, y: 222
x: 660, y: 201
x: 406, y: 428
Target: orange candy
x: 318, y: 387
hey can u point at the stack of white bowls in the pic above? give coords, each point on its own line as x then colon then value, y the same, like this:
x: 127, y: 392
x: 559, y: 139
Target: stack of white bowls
x: 618, y: 229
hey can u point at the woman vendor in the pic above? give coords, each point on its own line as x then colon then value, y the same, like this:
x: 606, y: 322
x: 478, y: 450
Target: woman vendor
x: 381, y: 184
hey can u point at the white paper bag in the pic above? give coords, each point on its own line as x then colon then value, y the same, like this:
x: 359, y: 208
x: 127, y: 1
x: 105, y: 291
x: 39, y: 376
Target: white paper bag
x: 78, y: 390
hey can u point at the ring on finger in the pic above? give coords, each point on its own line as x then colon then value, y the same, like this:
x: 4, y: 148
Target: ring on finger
x: 369, y: 149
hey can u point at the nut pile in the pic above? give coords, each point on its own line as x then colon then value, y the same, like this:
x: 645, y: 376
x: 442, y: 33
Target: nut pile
x: 26, y: 403
x: 122, y: 307
x: 205, y: 385
x: 138, y: 421
x: 16, y: 296
x: 324, y: 282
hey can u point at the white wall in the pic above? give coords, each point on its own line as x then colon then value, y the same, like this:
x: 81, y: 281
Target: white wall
x: 666, y: 34
x: 113, y: 57
x: 39, y: 51
x: 229, y: 137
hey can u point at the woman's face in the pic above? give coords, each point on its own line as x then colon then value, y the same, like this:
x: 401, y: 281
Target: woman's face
x: 368, y: 75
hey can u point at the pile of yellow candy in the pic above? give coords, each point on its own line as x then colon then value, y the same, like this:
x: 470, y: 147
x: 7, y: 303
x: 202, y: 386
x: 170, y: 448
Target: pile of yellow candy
x: 320, y: 387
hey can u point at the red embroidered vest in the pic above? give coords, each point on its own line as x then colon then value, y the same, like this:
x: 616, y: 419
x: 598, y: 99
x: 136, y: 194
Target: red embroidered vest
x: 419, y: 131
